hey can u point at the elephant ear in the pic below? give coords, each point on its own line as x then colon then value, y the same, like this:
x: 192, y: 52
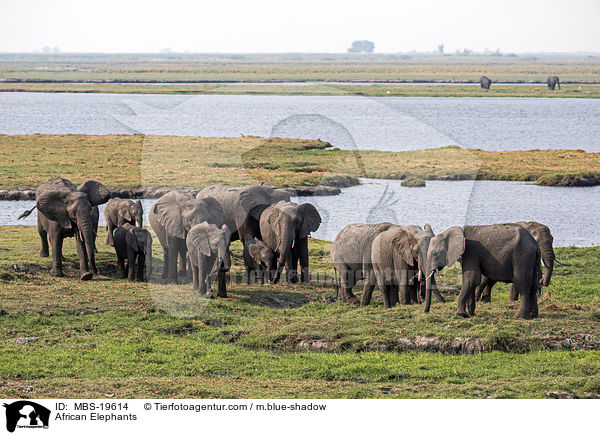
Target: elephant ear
x: 254, y: 251
x: 254, y: 199
x: 199, y: 236
x: 311, y: 219
x: 406, y: 246
x: 132, y: 241
x: 52, y: 205
x: 446, y: 249
x: 168, y: 214
x: 97, y: 192
x: 427, y: 228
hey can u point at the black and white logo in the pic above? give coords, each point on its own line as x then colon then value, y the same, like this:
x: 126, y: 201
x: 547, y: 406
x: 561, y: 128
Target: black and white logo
x: 26, y: 414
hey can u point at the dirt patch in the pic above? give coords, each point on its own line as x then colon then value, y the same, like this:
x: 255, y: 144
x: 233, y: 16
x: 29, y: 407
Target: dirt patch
x: 184, y: 329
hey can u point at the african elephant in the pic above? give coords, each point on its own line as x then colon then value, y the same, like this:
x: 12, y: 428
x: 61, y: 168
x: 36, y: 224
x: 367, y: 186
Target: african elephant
x: 285, y: 227
x: 171, y: 217
x: 205, y: 244
x: 135, y: 245
x: 398, y: 256
x: 506, y: 252
x: 243, y: 206
x: 260, y: 260
x: 120, y: 211
x: 67, y: 210
x: 552, y: 82
x: 543, y: 237
x: 485, y: 82
x: 351, y: 258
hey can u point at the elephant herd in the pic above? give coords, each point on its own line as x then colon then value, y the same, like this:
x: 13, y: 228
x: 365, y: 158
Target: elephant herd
x: 551, y: 81
x: 403, y: 260
x: 195, y: 233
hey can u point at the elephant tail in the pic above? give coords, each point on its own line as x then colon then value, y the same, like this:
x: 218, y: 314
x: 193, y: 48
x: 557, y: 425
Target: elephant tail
x: 27, y: 212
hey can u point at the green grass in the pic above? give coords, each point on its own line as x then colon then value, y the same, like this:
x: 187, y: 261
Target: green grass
x: 60, y: 337
x: 201, y: 161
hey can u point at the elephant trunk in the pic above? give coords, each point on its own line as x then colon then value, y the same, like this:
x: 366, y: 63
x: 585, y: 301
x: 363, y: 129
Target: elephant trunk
x: 548, y: 260
x: 87, y: 234
x: 225, y: 261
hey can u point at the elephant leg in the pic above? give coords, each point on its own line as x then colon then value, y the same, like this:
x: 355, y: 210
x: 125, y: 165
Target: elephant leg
x: 404, y: 286
x: 514, y: 294
x: 386, y: 295
x: 182, y: 251
x: 348, y: 280
x: 222, y: 290
x: 44, y: 249
x: 376, y: 276
x: 471, y: 304
x: 303, y: 257
x: 522, y: 283
x: 131, y: 265
x: 291, y: 272
x: 141, y: 265
x: 121, y: 263
x: 172, y: 261
x: 165, y: 273
x: 195, y: 278
x: 471, y: 279
x: 394, y: 293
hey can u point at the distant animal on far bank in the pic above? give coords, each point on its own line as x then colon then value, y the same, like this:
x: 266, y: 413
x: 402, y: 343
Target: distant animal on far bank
x: 485, y: 82
x: 552, y: 82
x: 121, y: 211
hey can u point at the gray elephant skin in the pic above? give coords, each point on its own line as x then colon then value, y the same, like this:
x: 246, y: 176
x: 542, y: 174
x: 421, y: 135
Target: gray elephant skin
x: 506, y: 253
x: 207, y: 243
x: 133, y: 244
x: 171, y: 217
x: 259, y: 260
x: 67, y: 210
x: 542, y: 235
x: 553, y: 82
x: 351, y: 258
x: 285, y: 227
x: 122, y: 211
x: 485, y: 82
x: 243, y: 206
x: 398, y: 257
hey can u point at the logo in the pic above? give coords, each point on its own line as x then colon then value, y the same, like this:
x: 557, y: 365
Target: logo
x: 26, y: 414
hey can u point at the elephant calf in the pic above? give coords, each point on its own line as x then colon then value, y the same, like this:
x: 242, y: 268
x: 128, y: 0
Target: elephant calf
x: 260, y: 261
x: 122, y: 211
x: 135, y: 245
x: 205, y: 244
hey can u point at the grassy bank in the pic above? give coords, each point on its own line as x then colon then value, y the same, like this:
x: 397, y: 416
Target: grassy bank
x: 380, y: 90
x: 296, y: 67
x: 109, y: 338
x: 135, y: 160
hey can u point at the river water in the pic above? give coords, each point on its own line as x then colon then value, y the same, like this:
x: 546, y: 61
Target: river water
x: 348, y: 122
x: 571, y: 213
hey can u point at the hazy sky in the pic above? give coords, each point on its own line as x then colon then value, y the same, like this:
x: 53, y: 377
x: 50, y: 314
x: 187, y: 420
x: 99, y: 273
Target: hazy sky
x: 299, y: 26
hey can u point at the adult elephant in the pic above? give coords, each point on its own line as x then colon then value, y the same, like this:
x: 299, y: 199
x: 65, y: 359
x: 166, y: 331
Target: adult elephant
x: 67, y: 210
x: 552, y: 82
x: 243, y: 206
x: 171, y: 217
x: 285, y: 227
x: 120, y: 212
x: 485, y: 82
x: 542, y: 235
x: 398, y: 256
x: 351, y: 258
x: 506, y: 253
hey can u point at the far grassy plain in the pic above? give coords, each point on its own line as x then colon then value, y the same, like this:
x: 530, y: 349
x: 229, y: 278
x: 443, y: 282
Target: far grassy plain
x: 107, y: 337
x: 200, y: 161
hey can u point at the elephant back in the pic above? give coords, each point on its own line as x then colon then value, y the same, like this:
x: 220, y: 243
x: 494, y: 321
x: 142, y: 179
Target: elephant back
x: 352, y: 245
x: 55, y: 184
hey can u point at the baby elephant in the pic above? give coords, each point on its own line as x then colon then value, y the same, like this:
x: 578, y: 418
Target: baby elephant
x: 260, y: 261
x: 119, y: 212
x: 135, y: 245
x: 205, y: 243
